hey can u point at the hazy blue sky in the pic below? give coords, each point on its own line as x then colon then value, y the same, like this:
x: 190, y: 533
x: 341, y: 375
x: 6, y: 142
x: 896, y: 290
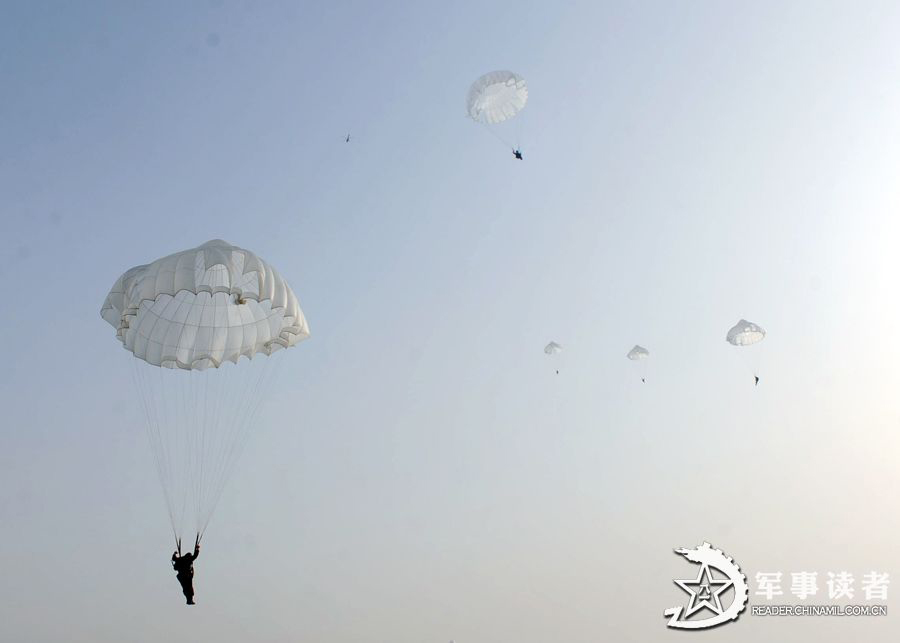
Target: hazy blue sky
x: 420, y: 473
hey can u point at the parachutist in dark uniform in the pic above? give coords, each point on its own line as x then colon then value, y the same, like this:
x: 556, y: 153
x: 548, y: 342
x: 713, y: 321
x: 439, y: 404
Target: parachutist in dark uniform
x: 643, y: 380
x: 184, y: 571
x: 518, y: 155
x: 756, y: 380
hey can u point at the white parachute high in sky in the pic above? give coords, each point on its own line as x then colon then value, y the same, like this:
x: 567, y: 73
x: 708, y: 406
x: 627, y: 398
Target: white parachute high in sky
x: 552, y: 349
x: 187, y: 319
x: 639, y: 354
x: 747, y: 336
x: 495, y: 98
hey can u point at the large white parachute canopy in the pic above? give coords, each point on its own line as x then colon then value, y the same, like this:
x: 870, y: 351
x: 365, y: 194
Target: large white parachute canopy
x: 196, y: 313
x: 200, y: 307
x: 745, y: 333
x: 496, y: 97
x: 638, y: 353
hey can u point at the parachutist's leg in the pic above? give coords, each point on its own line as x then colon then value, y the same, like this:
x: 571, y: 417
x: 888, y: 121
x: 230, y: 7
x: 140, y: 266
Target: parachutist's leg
x: 187, y: 588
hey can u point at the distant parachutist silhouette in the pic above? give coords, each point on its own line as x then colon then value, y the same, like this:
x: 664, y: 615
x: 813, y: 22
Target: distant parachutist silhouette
x: 518, y: 155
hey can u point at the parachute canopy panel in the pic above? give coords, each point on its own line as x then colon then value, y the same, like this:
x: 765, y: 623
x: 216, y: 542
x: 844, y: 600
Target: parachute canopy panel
x: 204, y: 306
x: 638, y: 353
x: 496, y: 97
x: 745, y: 333
x: 552, y: 348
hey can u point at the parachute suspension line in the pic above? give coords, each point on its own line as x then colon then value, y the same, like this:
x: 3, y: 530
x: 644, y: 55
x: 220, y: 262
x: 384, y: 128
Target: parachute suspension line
x: 182, y: 451
x: 230, y: 399
x: 154, y: 437
x: 211, y: 378
x: 496, y: 135
x: 182, y: 432
x: 204, y: 427
x: 246, y: 414
x: 558, y: 404
x: 166, y: 452
x: 517, y: 124
x: 174, y: 453
x: 197, y: 430
x: 754, y: 360
x: 214, y: 438
x: 223, y: 428
x: 759, y: 359
x: 192, y: 422
x: 751, y: 357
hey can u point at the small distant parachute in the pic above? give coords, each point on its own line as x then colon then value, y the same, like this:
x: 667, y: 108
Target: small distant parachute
x: 638, y: 353
x: 496, y: 97
x: 745, y: 333
x: 747, y: 336
x: 552, y: 349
